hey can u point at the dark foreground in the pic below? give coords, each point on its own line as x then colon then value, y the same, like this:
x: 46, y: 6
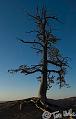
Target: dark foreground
x: 28, y: 109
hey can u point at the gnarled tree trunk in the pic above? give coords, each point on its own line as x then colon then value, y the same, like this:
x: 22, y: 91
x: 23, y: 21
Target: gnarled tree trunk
x: 43, y: 86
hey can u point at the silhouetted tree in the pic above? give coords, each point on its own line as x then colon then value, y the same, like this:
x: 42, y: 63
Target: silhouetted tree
x: 45, y: 43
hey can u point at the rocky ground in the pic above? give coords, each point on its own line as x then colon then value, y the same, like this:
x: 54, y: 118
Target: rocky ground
x: 32, y: 108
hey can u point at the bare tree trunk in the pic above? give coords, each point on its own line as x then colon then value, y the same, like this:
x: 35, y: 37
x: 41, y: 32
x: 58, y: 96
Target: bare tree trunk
x: 43, y: 86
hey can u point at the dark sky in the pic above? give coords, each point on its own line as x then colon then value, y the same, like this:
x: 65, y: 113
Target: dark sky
x: 14, y: 23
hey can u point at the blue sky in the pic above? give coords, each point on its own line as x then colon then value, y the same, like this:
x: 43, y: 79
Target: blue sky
x: 14, y: 23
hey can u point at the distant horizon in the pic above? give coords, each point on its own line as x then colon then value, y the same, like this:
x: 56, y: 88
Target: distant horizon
x: 36, y: 97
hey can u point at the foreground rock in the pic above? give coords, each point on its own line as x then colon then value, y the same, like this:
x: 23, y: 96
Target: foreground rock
x: 32, y: 109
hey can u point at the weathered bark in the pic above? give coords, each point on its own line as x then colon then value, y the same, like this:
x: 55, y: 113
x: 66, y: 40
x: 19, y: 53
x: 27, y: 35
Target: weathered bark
x: 43, y: 86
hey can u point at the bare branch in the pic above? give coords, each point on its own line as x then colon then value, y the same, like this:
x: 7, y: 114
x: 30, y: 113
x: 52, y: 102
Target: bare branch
x: 37, y: 50
x: 30, y: 72
x: 30, y: 42
x: 57, y: 63
x: 26, y: 69
x: 55, y: 18
x: 36, y: 18
x: 37, y: 66
x: 32, y: 31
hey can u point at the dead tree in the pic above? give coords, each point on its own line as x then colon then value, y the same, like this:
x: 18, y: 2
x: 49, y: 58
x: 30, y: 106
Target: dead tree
x: 45, y: 43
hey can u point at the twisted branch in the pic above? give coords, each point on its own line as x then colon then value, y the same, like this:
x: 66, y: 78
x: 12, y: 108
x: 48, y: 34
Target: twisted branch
x: 26, y: 69
x: 30, y: 42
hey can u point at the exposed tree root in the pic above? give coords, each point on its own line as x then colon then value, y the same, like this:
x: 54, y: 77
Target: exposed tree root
x: 43, y: 106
